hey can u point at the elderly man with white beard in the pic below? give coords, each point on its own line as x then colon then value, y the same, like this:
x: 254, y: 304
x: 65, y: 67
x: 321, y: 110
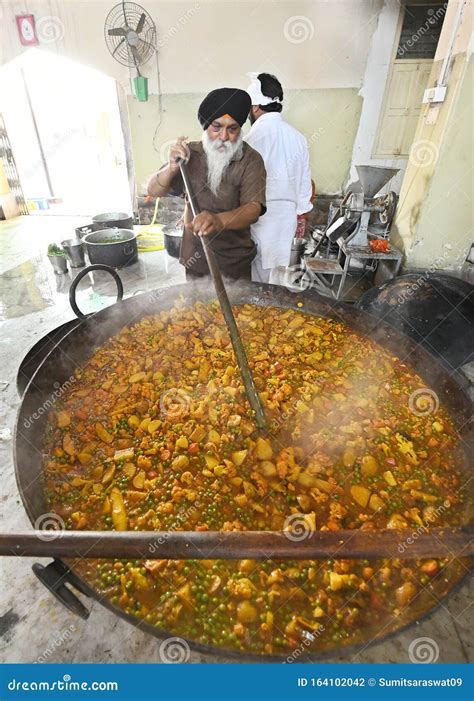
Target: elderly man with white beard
x: 229, y: 182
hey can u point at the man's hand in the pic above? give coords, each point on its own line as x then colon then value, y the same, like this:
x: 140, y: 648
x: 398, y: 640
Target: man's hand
x: 207, y: 223
x: 178, y: 151
x: 160, y: 183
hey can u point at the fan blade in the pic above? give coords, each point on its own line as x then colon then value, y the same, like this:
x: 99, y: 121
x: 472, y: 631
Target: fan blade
x: 141, y: 23
x: 144, y: 41
x: 136, y: 58
x: 136, y: 55
x: 118, y: 47
x: 118, y: 32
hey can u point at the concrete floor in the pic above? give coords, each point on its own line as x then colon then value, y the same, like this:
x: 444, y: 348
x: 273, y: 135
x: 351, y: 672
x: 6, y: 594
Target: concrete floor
x: 33, y: 625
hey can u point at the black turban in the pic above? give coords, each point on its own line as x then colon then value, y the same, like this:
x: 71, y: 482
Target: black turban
x: 232, y: 101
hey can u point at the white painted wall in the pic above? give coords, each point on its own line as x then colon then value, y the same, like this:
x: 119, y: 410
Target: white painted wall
x: 372, y: 91
x: 204, y: 43
x: 317, y: 48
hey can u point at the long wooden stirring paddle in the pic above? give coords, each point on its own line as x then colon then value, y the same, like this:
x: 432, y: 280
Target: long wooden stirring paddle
x: 239, y: 350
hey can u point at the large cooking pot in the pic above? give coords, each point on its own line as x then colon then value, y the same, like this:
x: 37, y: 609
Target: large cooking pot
x: 42, y: 348
x: 428, y: 305
x: 79, y: 343
x: 109, y: 220
x: 114, y: 247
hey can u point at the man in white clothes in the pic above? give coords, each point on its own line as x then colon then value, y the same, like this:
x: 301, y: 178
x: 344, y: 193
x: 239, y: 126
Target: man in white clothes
x: 288, y: 191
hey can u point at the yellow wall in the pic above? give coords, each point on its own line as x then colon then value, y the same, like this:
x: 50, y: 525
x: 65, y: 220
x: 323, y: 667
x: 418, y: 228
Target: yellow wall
x: 4, y: 187
x: 440, y: 226
x: 434, y: 222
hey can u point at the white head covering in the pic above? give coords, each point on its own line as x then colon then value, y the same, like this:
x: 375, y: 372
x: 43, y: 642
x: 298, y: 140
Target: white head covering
x: 256, y: 94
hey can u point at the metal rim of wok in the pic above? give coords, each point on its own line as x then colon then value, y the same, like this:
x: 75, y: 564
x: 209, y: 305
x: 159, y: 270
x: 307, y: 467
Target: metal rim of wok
x: 56, y: 371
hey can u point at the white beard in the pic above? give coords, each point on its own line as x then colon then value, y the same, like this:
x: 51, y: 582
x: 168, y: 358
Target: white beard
x: 219, y: 154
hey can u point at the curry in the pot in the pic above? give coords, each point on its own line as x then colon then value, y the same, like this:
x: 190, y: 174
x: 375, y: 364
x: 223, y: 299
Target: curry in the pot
x: 155, y: 434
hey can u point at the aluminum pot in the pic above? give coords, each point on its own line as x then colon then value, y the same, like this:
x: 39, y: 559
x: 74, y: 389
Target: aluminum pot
x: 172, y: 240
x: 75, y: 252
x: 114, y: 247
x: 109, y: 220
x: 59, y: 264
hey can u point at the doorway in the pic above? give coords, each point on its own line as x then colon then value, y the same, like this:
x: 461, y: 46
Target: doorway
x: 419, y: 32
x: 64, y: 124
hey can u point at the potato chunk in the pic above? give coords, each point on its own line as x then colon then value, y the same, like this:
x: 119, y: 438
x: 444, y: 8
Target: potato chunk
x: 361, y: 495
x: 263, y: 449
x: 119, y: 514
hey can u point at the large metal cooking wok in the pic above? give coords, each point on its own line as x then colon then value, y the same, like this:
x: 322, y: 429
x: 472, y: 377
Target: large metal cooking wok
x: 79, y: 343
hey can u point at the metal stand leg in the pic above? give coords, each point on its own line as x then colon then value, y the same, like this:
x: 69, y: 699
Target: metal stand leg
x: 343, y: 276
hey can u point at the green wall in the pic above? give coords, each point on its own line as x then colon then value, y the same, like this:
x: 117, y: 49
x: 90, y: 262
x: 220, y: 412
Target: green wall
x: 328, y: 118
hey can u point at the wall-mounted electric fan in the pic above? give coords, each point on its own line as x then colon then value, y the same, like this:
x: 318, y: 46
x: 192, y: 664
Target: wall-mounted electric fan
x: 130, y: 35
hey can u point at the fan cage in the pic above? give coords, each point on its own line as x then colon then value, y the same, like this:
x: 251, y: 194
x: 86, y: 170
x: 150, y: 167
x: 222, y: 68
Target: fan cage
x: 127, y: 15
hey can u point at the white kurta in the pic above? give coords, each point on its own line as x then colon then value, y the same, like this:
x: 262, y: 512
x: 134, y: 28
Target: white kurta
x: 286, y: 156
